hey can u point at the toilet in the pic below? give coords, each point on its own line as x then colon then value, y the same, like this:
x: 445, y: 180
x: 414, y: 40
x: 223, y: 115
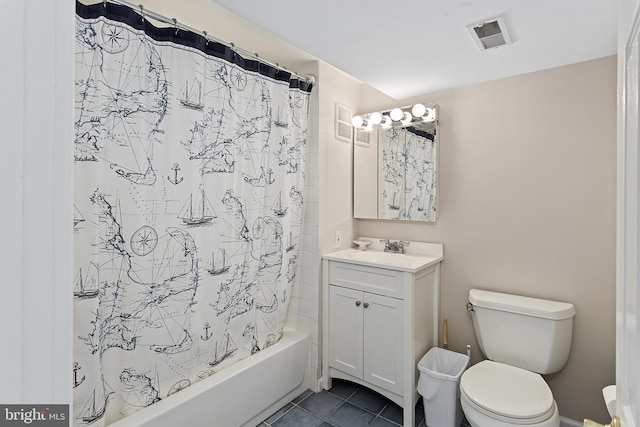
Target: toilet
x: 522, y: 338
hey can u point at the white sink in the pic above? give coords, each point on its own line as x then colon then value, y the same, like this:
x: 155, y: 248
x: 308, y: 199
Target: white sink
x: 404, y: 262
x: 381, y: 257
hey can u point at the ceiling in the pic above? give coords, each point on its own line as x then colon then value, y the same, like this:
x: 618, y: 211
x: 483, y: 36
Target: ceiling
x: 413, y: 47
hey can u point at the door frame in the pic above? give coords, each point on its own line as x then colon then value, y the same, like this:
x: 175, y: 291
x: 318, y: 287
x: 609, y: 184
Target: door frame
x: 627, y: 406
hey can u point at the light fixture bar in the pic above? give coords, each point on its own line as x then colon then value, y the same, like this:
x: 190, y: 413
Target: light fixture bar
x: 398, y: 117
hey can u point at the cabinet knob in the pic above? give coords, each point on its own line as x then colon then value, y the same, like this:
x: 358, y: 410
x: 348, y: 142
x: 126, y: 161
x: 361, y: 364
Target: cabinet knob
x: 366, y: 304
x: 358, y: 303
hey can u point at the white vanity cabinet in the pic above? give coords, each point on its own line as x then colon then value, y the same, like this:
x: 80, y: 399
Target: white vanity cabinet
x: 380, y: 318
x: 365, y: 336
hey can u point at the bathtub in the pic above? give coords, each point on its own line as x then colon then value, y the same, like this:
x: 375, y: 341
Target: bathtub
x: 243, y: 394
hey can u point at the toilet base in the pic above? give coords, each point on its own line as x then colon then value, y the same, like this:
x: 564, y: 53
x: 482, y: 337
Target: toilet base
x: 479, y: 419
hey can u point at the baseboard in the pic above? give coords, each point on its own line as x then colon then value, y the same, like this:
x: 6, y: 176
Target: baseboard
x: 318, y: 385
x: 568, y: 422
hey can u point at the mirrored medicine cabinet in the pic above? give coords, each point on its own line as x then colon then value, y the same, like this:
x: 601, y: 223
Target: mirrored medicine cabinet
x: 395, y: 173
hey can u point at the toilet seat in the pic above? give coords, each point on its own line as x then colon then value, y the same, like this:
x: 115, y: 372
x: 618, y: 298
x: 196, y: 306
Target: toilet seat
x: 507, y: 393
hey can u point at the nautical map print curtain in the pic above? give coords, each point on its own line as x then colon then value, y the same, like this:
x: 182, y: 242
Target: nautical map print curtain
x: 408, y: 174
x: 188, y: 202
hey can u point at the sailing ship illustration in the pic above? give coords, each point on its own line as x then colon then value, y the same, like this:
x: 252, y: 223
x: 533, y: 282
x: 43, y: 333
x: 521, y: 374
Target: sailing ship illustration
x: 191, y: 95
x: 197, y: 210
x: 86, y: 286
x: 277, y: 207
x: 95, y: 407
x: 395, y: 202
x: 279, y: 122
x: 223, y: 349
x: 77, y: 216
x: 218, y: 264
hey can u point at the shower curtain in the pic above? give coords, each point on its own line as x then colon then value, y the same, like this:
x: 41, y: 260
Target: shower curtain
x: 188, y: 200
x: 408, y: 174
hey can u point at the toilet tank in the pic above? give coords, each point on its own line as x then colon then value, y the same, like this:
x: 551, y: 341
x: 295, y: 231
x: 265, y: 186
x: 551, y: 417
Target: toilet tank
x: 531, y: 333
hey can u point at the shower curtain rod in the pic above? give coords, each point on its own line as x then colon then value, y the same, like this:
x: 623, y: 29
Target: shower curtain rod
x: 310, y: 78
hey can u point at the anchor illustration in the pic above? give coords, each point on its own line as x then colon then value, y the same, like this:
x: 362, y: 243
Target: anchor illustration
x: 175, y: 180
x: 207, y: 335
x: 270, y: 179
x: 76, y: 368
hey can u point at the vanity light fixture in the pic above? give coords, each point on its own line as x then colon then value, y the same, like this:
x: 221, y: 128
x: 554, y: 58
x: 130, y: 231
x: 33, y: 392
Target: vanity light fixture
x: 418, y: 113
x: 376, y: 118
x: 386, y: 122
x: 362, y: 123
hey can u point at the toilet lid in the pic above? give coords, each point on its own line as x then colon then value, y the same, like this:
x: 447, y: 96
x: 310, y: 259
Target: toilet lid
x: 507, y: 391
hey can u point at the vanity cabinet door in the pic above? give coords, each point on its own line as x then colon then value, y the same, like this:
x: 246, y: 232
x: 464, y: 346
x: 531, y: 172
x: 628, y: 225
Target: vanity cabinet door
x: 365, y: 336
x: 346, y: 330
x: 383, y: 349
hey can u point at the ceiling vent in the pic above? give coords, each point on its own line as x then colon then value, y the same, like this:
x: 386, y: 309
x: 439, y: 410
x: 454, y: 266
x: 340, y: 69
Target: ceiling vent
x: 489, y: 34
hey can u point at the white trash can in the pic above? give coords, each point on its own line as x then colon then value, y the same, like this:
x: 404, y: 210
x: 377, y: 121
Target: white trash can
x: 439, y: 386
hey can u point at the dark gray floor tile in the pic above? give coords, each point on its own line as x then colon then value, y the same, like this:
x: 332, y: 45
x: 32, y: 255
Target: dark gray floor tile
x: 342, y: 388
x: 393, y: 412
x: 381, y: 422
x: 419, y: 413
x: 297, y: 417
x: 348, y: 415
x: 278, y: 414
x: 302, y: 396
x: 321, y: 404
x: 369, y: 400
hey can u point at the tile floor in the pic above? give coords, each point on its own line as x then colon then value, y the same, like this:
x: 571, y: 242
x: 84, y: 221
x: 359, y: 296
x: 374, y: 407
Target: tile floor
x: 345, y: 405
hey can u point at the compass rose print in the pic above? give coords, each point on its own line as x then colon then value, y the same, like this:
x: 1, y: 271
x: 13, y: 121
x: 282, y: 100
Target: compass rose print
x: 115, y: 39
x: 238, y: 79
x: 144, y: 240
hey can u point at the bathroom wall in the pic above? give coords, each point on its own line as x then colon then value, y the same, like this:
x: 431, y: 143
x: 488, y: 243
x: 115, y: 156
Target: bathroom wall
x: 527, y: 205
x: 36, y: 121
x: 334, y: 165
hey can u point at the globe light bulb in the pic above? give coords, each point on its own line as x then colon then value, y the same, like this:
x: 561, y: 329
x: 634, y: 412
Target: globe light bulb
x: 406, y: 120
x: 376, y: 118
x: 418, y: 110
x: 357, y: 121
x: 396, y: 114
x: 386, y: 122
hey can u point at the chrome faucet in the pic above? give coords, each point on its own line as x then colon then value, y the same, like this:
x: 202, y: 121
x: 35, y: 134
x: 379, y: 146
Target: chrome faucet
x: 394, y: 247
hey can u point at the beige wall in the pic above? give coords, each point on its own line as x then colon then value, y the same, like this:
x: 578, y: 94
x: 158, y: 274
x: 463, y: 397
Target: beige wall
x: 336, y: 158
x: 527, y: 206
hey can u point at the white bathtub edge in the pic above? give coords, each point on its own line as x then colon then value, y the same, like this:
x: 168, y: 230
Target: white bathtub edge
x: 165, y: 410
